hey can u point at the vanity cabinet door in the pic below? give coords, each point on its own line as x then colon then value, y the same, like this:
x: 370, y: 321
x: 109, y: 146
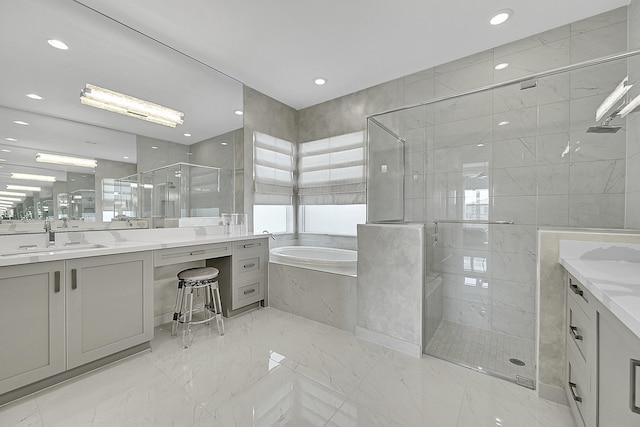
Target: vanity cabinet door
x: 109, y: 305
x: 619, y: 374
x: 31, y: 323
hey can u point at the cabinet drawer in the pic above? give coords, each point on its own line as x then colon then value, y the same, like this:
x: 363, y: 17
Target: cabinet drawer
x: 247, y: 292
x: 581, y: 296
x: 190, y: 253
x: 253, y: 245
x: 248, y: 266
x: 580, y: 330
x: 578, y: 388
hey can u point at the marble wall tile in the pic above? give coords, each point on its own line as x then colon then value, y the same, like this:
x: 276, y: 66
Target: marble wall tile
x: 466, y: 62
x: 553, y: 118
x: 614, y: 16
x: 413, y: 118
x: 415, y: 163
x: 553, y: 179
x: 553, y: 211
x: 468, y: 313
x: 632, y: 214
x: 464, y: 132
x: 517, y: 267
x: 324, y: 297
x: 463, y: 79
x: 634, y: 25
x: 418, y: 91
x: 518, y: 296
x: 434, y: 313
x: 390, y: 280
x: 596, y: 210
x: 470, y: 158
x: 633, y: 172
x: 414, y: 210
x: 461, y: 261
x: 587, y: 147
x: 514, y: 152
x: 463, y: 236
x: 600, y: 42
x: 583, y: 112
x: 415, y: 140
x: 467, y: 287
x: 521, y: 209
x: 513, y: 238
x: 414, y: 186
x: 553, y: 148
x: 521, y: 324
x: 464, y: 107
x: 534, y: 41
x: 541, y: 58
x: 597, y: 177
x: 420, y: 75
x: 549, y: 90
x: 521, y: 181
x: 519, y: 124
x: 597, y: 79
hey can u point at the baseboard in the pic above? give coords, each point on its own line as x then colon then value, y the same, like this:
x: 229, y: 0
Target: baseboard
x: 398, y: 344
x: 161, y: 319
x: 552, y: 393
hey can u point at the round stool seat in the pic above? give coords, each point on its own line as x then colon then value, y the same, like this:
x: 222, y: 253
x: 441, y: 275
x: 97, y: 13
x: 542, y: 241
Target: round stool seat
x: 198, y: 274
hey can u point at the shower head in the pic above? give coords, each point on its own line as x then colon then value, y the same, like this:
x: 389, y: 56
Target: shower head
x: 604, y: 129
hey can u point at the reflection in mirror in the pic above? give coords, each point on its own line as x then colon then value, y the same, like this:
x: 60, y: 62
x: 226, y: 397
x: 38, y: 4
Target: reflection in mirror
x: 41, y: 112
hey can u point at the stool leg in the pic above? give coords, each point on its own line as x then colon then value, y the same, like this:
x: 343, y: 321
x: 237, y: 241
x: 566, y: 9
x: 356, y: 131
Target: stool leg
x: 176, y: 310
x: 218, y: 308
x: 208, y: 302
x: 188, y: 313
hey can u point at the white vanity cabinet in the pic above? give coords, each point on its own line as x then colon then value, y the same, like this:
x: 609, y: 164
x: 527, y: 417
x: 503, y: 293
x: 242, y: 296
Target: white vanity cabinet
x: 32, y: 327
x: 619, y: 374
x: 581, y: 333
x: 109, y: 305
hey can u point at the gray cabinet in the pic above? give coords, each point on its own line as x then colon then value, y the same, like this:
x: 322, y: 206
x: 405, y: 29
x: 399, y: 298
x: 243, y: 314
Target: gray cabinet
x: 32, y: 329
x: 109, y: 305
x: 619, y: 374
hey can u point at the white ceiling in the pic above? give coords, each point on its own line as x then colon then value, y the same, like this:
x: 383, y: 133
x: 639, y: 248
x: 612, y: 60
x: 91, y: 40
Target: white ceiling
x: 279, y: 46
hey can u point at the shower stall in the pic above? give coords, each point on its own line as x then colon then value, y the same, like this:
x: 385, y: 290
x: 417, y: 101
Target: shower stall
x: 483, y: 170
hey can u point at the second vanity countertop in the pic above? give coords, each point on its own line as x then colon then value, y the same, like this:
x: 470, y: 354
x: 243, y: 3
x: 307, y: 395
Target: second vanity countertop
x: 98, y: 243
x: 611, y: 272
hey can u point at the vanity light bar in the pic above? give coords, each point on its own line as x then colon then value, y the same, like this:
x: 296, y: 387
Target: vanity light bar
x: 615, y: 96
x: 129, y: 106
x: 32, y: 177
x: 10, y: 199
x: 66, y: 160
x: 22, y: 187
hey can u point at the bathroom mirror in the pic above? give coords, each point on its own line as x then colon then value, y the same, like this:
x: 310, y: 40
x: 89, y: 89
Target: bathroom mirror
x: 104, y: 53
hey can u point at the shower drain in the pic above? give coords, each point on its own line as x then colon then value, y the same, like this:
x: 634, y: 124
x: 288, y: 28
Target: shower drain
x: 516, y: 361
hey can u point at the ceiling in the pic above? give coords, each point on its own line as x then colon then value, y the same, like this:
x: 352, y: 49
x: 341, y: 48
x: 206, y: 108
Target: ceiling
x: 278, y: 47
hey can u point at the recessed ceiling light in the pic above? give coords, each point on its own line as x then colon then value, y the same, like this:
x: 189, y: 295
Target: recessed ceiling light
x: 154, y: 147
x: 3, y: 160
x: 4, y: 150
x: 58, y: 44
x: 34, y: 96
x: 480, y: 145
x: 20, y: 122
x: 502, y: 66
x: 501, y: 16
x: 187, y: 134
x: 33, y: 177
x: 320, y: 81
x: 503, y: 123
x: 189, y: 154
x: 238, y: 112
x: 11, y: 139
x: 223, y: 143
x: 125, y: 157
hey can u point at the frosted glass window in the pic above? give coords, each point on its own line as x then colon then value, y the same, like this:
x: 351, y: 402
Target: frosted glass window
x: 332, y: 219
x: 273, y: 218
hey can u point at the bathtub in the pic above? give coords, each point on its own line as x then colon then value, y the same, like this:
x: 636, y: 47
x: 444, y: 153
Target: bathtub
x: 317, y: 283
x: 330, y: 260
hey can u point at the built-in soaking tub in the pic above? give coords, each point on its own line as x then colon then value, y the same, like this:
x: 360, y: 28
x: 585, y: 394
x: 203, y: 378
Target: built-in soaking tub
x: 314, y: 282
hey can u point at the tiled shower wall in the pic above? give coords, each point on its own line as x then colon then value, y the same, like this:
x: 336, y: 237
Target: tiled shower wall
x: 458, y: 144
x: 633, y: 123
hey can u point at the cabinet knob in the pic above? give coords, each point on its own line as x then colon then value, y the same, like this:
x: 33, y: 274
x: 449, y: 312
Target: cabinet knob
x: 56, y: 282
x: 574, y: 333
x: 74, y: 278
x: 576, y: 290
x: 572, y: 386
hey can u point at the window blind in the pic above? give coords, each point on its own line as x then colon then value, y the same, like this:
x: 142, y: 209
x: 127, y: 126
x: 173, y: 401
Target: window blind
x: 331, y: 170
x: 272, y: 170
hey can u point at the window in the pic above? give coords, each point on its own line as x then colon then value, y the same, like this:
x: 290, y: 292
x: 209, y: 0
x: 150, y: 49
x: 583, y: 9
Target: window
x: 331, y: 184
x: 273, y: 182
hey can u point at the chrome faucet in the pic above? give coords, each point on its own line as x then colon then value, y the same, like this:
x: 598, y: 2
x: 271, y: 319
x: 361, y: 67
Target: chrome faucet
x: 52, y: 234
x: 267, y: 232
x: 65, y: 222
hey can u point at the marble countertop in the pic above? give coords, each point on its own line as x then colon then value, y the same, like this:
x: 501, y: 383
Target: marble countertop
x: 98, y: 243
x: 611, y: 272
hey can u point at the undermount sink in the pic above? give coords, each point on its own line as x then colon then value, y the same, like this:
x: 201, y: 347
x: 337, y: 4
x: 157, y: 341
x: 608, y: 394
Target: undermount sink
x: 51, y: 249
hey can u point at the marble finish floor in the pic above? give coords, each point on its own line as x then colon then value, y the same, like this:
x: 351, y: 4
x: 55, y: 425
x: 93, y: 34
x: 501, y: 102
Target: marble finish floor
x: 272, y: 368
x: 488, y: 350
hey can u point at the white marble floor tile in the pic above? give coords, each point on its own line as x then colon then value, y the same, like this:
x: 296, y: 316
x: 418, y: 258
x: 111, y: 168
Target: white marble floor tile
x: 23, y: 413
x: 282, y: 398
x: 352, y: 414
